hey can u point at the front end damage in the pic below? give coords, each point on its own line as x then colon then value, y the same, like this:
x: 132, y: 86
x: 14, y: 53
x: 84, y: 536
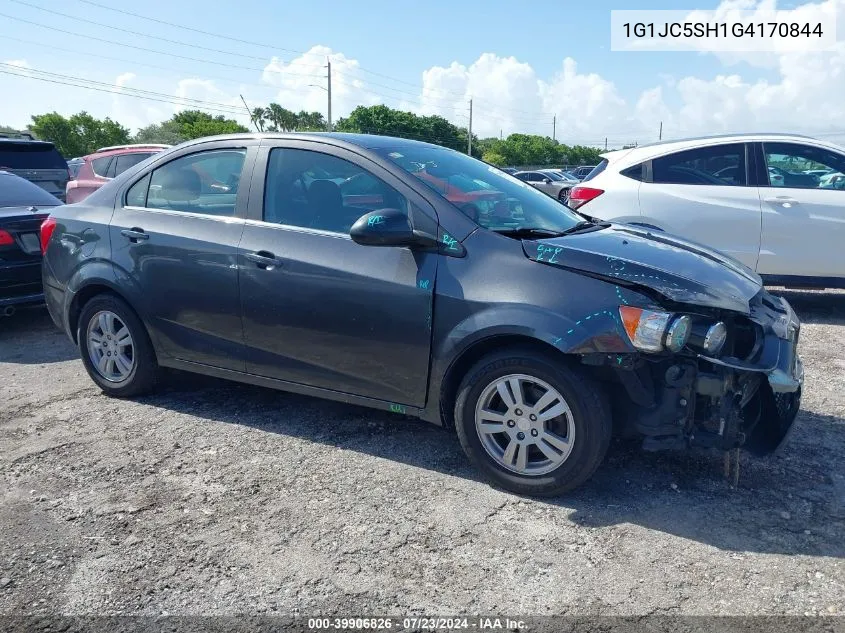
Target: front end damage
x: 747, y: 396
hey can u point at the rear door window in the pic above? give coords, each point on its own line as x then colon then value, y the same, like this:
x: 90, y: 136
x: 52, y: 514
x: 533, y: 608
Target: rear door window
x: 720, y: 165
x: 30, y: 156
x: 205, y: 182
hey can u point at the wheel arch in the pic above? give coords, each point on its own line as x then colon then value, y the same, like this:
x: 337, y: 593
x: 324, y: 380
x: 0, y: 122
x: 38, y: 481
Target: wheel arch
x: 88, y: 291
x: 474, y: 352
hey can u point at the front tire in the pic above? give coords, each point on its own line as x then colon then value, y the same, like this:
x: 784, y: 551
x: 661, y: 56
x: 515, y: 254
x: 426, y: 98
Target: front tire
x: 115, y: 348
x: 531, y: 424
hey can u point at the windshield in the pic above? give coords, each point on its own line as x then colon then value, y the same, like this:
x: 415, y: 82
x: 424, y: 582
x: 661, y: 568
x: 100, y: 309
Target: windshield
x: 552, y: 175
x: 488, y: 196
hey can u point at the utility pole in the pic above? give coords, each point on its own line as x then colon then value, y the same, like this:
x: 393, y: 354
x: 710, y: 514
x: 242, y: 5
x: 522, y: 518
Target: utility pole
x: 660, y: 136
x: 469, y: 135
x: 329, y: 77
x: 605, y: 143
x: 249, y: 112
x: 500, y: 134
x: 554, y: 127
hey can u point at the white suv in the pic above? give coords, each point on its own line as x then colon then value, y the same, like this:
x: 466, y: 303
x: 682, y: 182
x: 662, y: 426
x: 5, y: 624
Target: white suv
x: 775, y: 202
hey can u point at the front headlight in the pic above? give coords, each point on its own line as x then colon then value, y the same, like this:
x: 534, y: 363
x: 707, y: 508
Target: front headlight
x: 715, y: 338
x: 653, y: 331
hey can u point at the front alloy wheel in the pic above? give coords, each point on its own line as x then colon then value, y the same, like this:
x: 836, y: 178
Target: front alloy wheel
x: 525, y: 424
x: 531, y: 421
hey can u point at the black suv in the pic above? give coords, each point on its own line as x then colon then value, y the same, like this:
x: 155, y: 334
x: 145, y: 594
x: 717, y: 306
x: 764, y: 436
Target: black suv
x: 37, y: 161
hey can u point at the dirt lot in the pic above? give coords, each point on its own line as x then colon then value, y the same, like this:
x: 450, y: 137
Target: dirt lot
x: 215, y: 498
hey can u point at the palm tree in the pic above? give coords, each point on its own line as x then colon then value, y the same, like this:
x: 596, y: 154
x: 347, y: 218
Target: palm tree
x: 258, y: 115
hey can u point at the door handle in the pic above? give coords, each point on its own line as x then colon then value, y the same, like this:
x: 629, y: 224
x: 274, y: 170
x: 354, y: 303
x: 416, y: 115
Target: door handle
x: 134, y: 234
x: 265, y: 260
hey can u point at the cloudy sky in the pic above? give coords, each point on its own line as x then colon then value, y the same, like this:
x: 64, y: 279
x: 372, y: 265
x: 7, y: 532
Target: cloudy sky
x: 521, y: 66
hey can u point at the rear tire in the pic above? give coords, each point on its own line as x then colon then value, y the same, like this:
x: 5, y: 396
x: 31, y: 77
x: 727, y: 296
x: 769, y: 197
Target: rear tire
x: 547, y: 440
x: 115, y: 347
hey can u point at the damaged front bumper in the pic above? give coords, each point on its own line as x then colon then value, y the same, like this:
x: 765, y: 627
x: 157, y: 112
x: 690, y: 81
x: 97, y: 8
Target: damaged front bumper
x: 725, y: 402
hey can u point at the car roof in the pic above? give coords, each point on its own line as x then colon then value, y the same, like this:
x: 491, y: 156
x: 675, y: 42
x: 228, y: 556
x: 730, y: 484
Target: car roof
x: 366, y: 141
x: 634, y: 155
x: 124, y: 149
x: 24, y: 141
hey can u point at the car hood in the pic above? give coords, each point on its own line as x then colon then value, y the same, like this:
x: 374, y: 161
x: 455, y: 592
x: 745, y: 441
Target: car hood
x: 681, y: 271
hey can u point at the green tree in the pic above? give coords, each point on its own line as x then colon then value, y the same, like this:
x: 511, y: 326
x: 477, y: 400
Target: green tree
x: 79, y: 134
x: 167, y: 133
x: 380, y: 119
x: 281, y: 119
x: 494, y: 158
x: 195, y: 124
x: 310, y: 122
x: 258, y: 116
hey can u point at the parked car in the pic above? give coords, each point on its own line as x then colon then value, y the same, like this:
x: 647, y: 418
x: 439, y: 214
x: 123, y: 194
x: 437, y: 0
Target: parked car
x: 23, y: 206
x: 510, y: 170
x: 744, y: 195
x: 546, y: 183
x: 37, y: 161
x: 565, y: 180
x: 582, y: 172
x: 73, y: 167
x: 529, y: 331
x: 104, y: 164
x: 563, y: 174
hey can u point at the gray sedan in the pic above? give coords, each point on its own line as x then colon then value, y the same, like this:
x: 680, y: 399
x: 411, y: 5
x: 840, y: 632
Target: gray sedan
x: 411, y: 278
x: 553, y: 186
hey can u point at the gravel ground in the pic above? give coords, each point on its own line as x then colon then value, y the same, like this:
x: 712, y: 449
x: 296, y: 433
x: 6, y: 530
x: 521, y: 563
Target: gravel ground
x: 217, y: 498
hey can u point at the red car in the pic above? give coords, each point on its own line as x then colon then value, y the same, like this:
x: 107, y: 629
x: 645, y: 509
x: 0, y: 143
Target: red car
x: 103, y: 165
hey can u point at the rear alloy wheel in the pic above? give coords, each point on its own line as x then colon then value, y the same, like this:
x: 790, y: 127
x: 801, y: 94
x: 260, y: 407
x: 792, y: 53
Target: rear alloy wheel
x: 531, y: 424
x: 563, y: 195
x: 115, y: 348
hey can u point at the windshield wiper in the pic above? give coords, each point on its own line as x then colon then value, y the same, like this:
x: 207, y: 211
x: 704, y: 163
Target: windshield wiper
x: 528, y: 231
x: 585, y: 224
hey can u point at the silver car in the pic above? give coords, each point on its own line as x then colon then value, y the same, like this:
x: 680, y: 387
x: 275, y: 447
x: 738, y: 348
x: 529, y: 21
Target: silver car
x: 546, y: 183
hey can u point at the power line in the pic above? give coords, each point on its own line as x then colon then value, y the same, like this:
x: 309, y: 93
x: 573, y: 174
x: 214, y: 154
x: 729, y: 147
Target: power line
x: 80, y: 82
x: 252, y: 43
x: 147, y: 50
x: 456, y: 95
x: 154, y: 37
x: 284, y: 72
x: 229, y: 53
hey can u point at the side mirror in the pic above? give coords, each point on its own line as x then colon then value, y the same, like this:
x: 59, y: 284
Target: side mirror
x: 547, y: 180
x: 388, y: 227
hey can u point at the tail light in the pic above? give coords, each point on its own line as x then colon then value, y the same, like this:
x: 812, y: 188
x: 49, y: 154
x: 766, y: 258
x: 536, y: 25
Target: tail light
x: 47, y: 228
x: 6, y: 238
x: 580, y: 196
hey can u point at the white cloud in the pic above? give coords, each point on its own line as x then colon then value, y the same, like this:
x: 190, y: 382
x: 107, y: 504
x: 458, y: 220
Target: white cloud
x: 800, y: 92
x: 301, y: 83
x: 807, y: 94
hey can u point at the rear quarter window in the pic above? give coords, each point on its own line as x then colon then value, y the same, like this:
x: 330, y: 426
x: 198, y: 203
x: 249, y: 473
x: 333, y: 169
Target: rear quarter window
x: 635, y: 172
x: 30, y: 156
